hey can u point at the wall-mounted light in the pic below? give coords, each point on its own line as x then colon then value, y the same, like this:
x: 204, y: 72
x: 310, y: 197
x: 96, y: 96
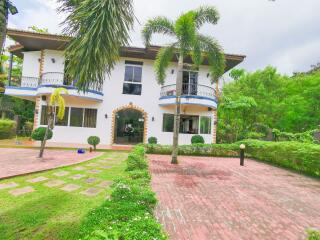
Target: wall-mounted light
x: 39, y: 60
x: 37, y: 111
x: 106, y: 116
x: 208, y: 75
x: 152, y: 119
x: 215, y: 122
x: 53, y: 60
x: 172, y: 71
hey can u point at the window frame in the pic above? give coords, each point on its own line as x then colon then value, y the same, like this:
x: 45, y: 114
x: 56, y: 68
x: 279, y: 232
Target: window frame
x: 134, y: 65
x: 209, y: 127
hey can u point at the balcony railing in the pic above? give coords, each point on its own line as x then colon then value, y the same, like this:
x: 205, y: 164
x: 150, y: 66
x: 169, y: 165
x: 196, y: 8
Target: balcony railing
x: 50, y: 78
x: 189, y: 90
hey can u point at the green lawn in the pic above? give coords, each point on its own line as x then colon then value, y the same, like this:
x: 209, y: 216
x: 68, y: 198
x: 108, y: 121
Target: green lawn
x: 50, y: 212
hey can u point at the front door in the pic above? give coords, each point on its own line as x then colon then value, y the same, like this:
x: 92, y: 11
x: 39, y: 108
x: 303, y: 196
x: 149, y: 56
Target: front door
x: 129, y: 127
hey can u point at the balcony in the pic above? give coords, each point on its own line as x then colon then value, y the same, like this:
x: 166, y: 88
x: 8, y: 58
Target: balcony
x: 31, y: 87
x: 192, y: 94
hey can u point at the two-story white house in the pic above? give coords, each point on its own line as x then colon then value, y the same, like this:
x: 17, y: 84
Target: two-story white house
x: 129, y: 108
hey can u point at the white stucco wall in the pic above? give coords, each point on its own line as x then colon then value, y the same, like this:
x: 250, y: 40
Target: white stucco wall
x: 113, y: 98
x: 31, y: 64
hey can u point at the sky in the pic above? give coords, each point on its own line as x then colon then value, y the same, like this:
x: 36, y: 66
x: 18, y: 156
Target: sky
x: 281, y: 33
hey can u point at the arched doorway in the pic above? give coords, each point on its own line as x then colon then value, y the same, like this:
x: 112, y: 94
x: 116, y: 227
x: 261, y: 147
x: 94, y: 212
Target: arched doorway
x: 129, y: 126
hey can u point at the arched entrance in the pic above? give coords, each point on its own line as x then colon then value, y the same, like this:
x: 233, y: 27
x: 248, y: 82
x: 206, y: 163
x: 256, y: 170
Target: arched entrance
x: 129, y: 126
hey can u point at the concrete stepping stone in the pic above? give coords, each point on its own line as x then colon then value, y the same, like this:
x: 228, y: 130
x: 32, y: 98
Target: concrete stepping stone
x: 91, y: 180
x: 61, y: 173
x: 94, y: 171
x: 104, y: 184
x: 21, y: 191
x: 54, y: 183
x: 8, y: 185
x: 77, y: 176
x: 70, y: 187
x: 79, y: 168
x: 92, y: 191
x: 37, y: 179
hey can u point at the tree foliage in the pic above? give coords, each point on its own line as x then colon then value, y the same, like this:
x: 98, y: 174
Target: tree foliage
x: 99, y: 28
x: 268, y: 99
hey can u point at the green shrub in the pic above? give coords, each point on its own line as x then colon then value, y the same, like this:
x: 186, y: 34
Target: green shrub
x: 94, y: 141
x: 254, y: 135
x: 38, y: 134
x: 136, y: 160
x: 313, y: 235
x: 302, y: 157
x: 7, y: 128
x: 197, y: 139
x: 152, y: 140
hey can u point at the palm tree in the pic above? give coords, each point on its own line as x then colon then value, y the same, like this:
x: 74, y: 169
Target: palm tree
x: 56, y: 103
x: 5, y: 7
x: 99, y: 28
x: 189, y: 42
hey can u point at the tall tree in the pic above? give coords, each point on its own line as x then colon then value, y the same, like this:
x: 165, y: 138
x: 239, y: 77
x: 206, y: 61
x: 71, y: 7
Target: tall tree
x: 188, y: 42
x: 5, y: 7
x: 99, y: 28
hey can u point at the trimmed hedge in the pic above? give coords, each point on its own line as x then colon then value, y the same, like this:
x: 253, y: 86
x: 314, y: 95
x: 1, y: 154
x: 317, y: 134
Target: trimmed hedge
x: 199, y: 149
x: 7, y: 128
x: 128, y: 214
x: 301, y: 157
x: 197, y: 139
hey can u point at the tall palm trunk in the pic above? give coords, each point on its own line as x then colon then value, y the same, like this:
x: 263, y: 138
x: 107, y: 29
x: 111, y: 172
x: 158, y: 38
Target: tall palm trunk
x: 176, y: 125
x: 3, y: 22
x: 50, y: 123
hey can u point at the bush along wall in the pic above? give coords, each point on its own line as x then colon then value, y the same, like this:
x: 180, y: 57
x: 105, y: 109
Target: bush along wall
x: 128, y: 214
x: 7, y: 128
x: 301, y: 157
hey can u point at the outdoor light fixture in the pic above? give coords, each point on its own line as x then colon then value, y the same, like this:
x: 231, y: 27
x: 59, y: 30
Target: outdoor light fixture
x: 242, y: 148
x: 53, y: 60
x: 208, y: 75
x: 13, y: 10
x: 172, y: 71
x: 152, y: 119
x: 106, y: 116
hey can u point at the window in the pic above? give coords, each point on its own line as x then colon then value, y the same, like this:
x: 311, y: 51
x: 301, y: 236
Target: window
x: 132, y: 78
x: 189, y: 124
x: 76, y: 118
x: 189, y: 83
x: 44, y: 115
x: 167, y: 125
x: 90, y: 118
x: 64, y: 121
x: 205, y: 125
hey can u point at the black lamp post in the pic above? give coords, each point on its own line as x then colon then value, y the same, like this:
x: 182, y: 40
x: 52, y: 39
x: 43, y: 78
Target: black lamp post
x: 242, y: 148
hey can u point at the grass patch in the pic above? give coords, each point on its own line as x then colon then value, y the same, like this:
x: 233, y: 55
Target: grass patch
x: 51, y: 213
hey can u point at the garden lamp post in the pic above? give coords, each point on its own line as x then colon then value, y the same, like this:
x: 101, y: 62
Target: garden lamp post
x: 242, y: 148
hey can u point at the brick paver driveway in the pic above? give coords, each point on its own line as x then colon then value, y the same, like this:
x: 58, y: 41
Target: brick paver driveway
x: 215, y: 198
x: 14, y: 161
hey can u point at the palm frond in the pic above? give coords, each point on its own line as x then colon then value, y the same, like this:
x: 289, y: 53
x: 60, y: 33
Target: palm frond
x: 157, y: 25
x: 57, y: 100
x: 185, y: 30
x: 206, y: 14
x: 164, y: 57
x: 214, y: 53
x: 68, y: 5
x: 196, y: 54
x: 99, y: 28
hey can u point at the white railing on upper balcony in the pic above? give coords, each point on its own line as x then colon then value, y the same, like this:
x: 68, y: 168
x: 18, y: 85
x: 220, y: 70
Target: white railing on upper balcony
x: 189, y: 90
x: 50, y: 78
